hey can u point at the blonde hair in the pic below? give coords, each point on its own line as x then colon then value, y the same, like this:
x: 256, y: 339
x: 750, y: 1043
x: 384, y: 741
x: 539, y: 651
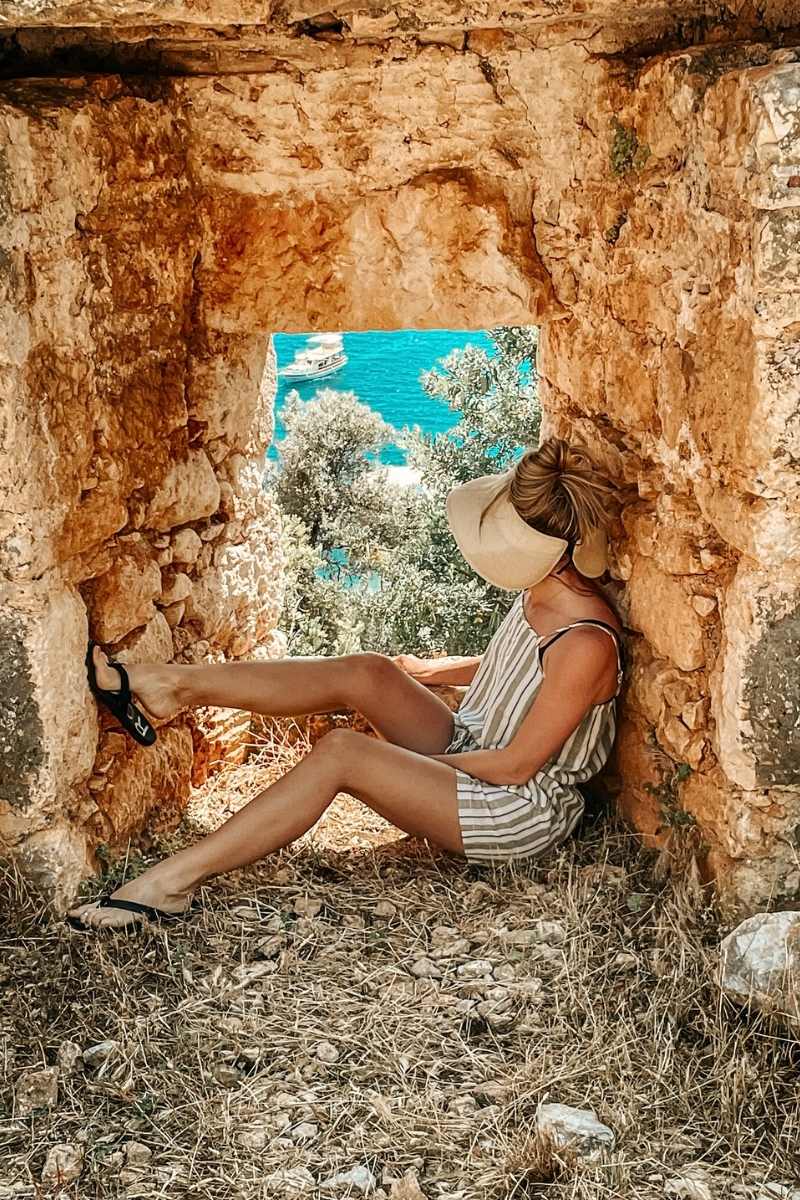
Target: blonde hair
x: 558, y: 490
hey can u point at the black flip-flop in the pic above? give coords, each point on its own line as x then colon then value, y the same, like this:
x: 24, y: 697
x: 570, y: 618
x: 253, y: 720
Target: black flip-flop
x: 156, y: 915
x: 131, y: 718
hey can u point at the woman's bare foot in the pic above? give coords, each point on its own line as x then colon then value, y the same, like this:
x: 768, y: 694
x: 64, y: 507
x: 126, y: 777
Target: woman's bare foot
x: 154, y: 888
x: 155, y: 684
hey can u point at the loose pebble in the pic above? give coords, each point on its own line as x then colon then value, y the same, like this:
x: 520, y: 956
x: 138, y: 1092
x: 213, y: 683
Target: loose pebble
x: 63, y: 1164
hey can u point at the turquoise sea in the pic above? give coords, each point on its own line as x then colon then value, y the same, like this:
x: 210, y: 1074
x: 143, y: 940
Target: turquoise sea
x: 383, y: 370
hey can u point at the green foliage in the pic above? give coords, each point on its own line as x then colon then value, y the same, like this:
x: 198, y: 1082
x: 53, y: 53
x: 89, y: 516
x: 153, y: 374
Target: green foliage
x: 372, y: 565
x: 667, y: 793
x: 627, y: 153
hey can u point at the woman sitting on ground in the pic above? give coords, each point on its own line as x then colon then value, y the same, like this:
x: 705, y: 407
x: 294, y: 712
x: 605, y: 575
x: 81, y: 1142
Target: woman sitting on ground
x: 495, y: 781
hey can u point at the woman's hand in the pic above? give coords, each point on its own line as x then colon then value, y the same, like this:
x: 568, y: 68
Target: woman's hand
x: 417, y: 668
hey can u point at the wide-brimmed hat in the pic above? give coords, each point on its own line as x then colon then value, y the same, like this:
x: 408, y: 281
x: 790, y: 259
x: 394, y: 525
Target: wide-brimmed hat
x: 503, y: 548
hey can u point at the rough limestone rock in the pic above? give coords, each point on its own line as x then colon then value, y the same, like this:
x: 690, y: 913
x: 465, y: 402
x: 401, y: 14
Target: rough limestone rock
x: 626, y: 176
x: 760, y: 964
x: 575, y: 1129
x: 36, y: 1089
x: 63, y: 1164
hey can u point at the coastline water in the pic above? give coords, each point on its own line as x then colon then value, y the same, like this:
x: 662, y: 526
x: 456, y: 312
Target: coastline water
x: 383, y: 369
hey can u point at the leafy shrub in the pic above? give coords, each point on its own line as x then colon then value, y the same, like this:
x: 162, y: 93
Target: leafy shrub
x: 372, y: 565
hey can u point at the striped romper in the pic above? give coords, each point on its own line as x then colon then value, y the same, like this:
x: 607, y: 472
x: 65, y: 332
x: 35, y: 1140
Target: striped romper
x: 522, y: 820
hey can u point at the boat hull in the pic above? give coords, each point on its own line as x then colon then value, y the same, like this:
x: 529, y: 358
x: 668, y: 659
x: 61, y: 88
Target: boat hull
x: 288, y: 373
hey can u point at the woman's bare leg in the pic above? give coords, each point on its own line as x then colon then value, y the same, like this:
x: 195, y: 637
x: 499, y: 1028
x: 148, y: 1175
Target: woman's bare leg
x: 414, y: 792
x: 402, y: 710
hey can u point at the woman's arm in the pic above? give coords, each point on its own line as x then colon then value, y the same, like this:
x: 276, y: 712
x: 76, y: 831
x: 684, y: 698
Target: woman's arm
x: 454, y: 669
x: 578, y: 674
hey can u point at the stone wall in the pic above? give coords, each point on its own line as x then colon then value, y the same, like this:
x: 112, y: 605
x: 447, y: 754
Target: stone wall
x: 131, y: 507
x: 593, y: 171
x: 679, y: 365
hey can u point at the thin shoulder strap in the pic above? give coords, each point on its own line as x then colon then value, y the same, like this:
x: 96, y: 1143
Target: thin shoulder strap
x: 557, y: 633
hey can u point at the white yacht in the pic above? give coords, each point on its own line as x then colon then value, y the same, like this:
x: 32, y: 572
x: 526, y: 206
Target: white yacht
x: 322, y: 355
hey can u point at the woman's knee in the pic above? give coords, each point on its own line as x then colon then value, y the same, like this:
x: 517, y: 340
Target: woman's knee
x: 370, y: 673
x: 339, y: 744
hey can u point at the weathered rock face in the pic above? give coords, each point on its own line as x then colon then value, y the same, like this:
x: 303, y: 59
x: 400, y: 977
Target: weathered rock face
x: 587, y: 169
x: 117, y: 503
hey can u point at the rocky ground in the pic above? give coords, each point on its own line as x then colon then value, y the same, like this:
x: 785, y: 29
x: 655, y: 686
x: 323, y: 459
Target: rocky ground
x: 363, y: 1016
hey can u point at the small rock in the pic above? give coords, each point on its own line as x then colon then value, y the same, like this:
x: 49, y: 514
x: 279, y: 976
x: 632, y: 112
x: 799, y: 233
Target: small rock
x: 407, y: 1188
x: 211, y: 533
x: 463, y: 1106
x: 97, y: 1055
x: 455, y: 949
x: 689, y: 1185
x: 385, y: 909
x: 425, y: 968
x: 703, y: 605
x: 137, y: 1154
x: 326, y: 1052
x: 307, y: 906
x: 478, y: 968
x: 174, y: 614
x: 357, y: 1177
x: 575, y: 1129
x: 254, y: 1137
x: 249, y: 973
x: 442, y: 934
x: 176, y: 590
x: 505, y: 972
x: 186, y: 546
x: 290, y: 1180
x: 63, y: 1164
x: 543, y: 933
x: 306, y: 1131
x: 69, y: 1055
x: 37, y: 1089
x: 112, y: 1162
x: 605, y: 873
x: 227, y: 1076
x: 760, y: 964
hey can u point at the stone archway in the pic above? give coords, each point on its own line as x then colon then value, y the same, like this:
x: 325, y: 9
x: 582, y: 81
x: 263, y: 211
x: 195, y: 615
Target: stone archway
x: 597, y: 174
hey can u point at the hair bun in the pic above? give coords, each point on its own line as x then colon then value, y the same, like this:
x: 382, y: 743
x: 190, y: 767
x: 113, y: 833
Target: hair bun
x: 559, y: 490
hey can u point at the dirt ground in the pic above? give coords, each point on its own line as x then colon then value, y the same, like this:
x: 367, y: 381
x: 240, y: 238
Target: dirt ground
x: 363, y: 1002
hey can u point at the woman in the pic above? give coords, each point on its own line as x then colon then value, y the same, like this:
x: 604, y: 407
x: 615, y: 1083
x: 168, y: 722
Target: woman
x: 495, y: 781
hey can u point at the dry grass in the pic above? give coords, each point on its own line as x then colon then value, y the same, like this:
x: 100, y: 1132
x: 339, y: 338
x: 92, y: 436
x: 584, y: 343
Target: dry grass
x: 218, y: 1024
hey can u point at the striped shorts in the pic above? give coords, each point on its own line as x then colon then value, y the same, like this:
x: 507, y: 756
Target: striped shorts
x: 501, y: 824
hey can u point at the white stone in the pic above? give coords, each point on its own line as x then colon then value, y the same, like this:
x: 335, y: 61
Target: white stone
x: 36, y: 1089
x: 359, y: 1177
x: 101, y: 1052
x: 306, y: 1131
x: 63, y: 1164
x: 290, y: 1180
x: 574, y: 1129
x: 425, y: 968
x: 760, y: 964
x: 478, y: 968
x: 691, y: 1184
x: 543, y: 932
x: 137, y: 1154
x: 69, y: 1055
x: 326, y: 1052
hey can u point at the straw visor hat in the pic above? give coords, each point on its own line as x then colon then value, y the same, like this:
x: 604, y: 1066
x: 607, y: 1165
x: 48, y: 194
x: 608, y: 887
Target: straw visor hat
x: 503, y: 548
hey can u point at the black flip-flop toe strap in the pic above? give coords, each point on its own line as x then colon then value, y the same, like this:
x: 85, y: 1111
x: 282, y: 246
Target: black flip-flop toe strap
x: 124, y: 692
x: 143, y: 910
